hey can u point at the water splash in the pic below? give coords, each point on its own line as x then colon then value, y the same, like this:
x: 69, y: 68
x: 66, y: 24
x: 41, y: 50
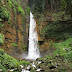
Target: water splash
x: 33, y: 51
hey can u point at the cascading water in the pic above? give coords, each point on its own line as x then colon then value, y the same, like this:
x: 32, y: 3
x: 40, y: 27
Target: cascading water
x: 33, y: 51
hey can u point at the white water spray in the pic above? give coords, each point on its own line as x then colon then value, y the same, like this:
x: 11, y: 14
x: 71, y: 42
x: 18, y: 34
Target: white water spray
x: 33, y: 51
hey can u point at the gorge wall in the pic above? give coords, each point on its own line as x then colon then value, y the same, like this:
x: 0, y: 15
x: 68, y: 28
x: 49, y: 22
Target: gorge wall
x: 54, y: 24
x: 15, y: 27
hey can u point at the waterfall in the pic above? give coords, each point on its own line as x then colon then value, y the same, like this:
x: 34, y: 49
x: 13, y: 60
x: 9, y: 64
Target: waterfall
x: 33, y: 51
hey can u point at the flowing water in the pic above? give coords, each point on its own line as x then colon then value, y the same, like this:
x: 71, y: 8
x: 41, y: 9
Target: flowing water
x: 33, y: 51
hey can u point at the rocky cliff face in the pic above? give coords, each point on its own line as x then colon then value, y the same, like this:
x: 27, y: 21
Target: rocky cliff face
x: 15, y: 28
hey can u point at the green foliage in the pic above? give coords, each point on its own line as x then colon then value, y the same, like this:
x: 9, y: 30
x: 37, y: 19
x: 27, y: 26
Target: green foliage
x: 32, y: 71
x: 9, y: 22
x: 3, y: 68
x: 57, y: 30
x: 48, y: 57
x: 24, y: 47
x: 63, y: 4
x: 0, y: 20
x: 2, y: 52
x: 4, y: 14
x: 18, y: 30
x: 15, y: 3
x: 1, y: 38
x: 61, y: 15
x: 39, y: 6
x: 28, y: 10
x: 64, y: 48
x: 24, y: 63
x: 69, y: 56
x: 10, y: 3
x: 1, y: 25
x: 20, y: 10
x: 14, y: 9
x: 9, y: 62
x: 14, y: 44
